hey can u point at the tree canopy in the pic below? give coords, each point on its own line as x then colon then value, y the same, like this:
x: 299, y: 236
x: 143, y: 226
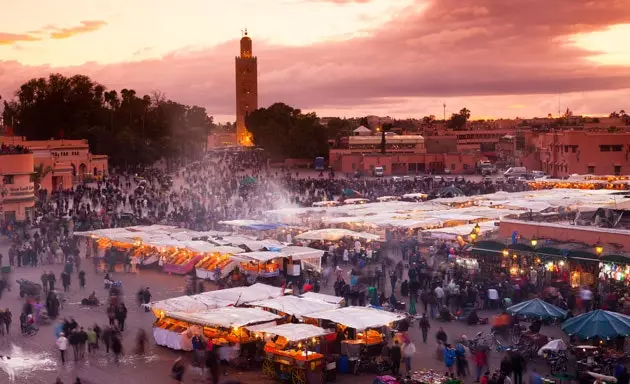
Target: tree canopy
x: 286, y: 132
x: 130, y: 128
x: 458, y: 120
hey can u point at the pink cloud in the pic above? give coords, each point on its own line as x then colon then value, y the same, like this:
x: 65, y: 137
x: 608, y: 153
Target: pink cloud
x: 463, y: 49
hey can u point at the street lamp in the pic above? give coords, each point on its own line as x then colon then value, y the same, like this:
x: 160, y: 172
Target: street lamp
x: 599, y: 249
x: 473, y: 236
x: 534, y: 241
x: 506, y: 252
x: 477, y: 228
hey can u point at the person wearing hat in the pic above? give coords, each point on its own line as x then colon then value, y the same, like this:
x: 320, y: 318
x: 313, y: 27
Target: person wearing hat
x: 62, y: 345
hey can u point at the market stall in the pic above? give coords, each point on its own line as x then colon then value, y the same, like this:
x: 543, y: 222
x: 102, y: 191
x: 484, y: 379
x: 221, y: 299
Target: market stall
x: 362, y: 330
x: 221, y: 325
x: 288, y: 306
x: 216, y: 262
x: 260, y: 263
x: 292, y: 353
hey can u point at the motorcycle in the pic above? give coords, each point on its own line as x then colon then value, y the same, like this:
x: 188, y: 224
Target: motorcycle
x: 557, y: 360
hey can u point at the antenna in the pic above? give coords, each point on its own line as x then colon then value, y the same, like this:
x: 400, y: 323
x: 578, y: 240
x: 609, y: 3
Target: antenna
x: 559, y: 109
x: 444, y: 106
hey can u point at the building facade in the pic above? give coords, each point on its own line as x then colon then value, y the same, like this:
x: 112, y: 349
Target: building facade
x: 404, y: 154
x: 246, y: 89
x: 17, y: 189
x: 565, y: 153
x: 61, y: 163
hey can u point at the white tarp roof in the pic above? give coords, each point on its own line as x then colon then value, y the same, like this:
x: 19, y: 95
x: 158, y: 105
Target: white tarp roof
x: 295, y: 332
x: 301, y: 253
x: 217, y: 299
x: 334, y: 234
x: 461, y: 230
x: 436, y: 213
x: 226, y: 317
x: 293, y: 305
x: 358, y: 317
x: 241, y: 223
x: 322, y: 297
x: 260, y: 256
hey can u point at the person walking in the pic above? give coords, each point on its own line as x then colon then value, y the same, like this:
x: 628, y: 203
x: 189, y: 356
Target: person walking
x: 396, y: 355
x: 408, y: 351
x: 424, y: 327
x: 449, y: 357
x: 82, y: 280
x: 518, y: 366
x: 481, y: 361
x: 121, y: 316
x: 177, y: 371
x: 8, y: 318
x: 62, y: 346
x: 82, y: 337
x: 111, y: 315
x: 91, y: 340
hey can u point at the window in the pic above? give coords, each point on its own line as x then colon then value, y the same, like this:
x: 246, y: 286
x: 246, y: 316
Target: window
x: 453, y: 167
x: 604, y: 148
x: 466, y: 166
x: 617, y: 170
x: 574, y: 148
x: 566, y: 148
x: 591, y: 170
x: 354, y: 166
x: 616, y: 148
x: 8, y: 179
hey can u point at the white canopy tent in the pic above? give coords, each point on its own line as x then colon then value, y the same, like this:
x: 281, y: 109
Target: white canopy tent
x: 217, y: 299
x: 294, y: 332
x: 259, y: 256
x: 226, y: 317
x: 334, y: 234
x: 359, y: 318
x: 293, y: 305
x: 322, y: 297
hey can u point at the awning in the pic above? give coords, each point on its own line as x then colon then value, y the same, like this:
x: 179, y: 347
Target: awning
x: 295, y: 332
x: 359, y: 318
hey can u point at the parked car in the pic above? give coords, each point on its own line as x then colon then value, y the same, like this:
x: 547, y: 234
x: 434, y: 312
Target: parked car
x: 396, y: 179
x: 407, y: 178
x: 460, y: 179
x: 437, y: 179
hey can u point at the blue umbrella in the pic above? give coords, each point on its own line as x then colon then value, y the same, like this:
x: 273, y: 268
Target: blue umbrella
x: 599, y: 323
x: 537, y: 308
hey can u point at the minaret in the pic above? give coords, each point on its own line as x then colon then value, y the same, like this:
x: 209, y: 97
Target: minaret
x: 246, y: 89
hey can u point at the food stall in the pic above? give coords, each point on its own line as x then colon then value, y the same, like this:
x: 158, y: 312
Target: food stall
x: 221, y: 325
x: 260, y: 263
x: 292, y: 353
x: 364, y: 330
x: 216, y: 262
x: 288, y: 306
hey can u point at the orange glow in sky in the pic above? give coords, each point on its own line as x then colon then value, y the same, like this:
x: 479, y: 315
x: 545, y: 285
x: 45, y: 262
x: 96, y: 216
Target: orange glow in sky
x: 141, y: 29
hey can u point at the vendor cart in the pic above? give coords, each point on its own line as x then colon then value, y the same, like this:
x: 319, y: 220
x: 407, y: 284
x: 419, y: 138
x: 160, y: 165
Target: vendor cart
x: 291, y: 355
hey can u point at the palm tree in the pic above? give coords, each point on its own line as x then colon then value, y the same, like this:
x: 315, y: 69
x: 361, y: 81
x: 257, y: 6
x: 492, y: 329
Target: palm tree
x: 39, y: 173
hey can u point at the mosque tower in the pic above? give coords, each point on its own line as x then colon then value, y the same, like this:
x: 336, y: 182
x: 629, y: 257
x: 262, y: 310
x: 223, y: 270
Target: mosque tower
x: 246, y: 89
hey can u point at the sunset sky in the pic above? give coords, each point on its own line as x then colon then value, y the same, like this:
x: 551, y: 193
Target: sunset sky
x: 402, y: 58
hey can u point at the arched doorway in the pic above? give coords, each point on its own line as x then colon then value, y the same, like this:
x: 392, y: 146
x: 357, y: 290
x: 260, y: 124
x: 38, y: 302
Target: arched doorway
x: 74, y: 170
x: 95, y: 173
x: 82, y: 170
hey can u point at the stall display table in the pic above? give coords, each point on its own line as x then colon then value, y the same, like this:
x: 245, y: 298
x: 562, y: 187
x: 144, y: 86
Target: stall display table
x: 170, y: 339
x: 294, y: 368
x: 182, y: 269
